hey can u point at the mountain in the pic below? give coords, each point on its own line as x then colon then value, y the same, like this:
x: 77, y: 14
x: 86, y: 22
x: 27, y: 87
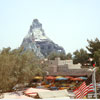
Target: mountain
x: 37, y: 41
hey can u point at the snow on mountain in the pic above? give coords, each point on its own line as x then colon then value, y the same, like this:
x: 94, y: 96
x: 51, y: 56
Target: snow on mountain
x: 39, y: 42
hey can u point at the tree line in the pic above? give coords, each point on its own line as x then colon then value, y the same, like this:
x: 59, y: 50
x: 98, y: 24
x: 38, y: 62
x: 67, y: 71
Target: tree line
x: 18, y: 67
x: 82, y: 55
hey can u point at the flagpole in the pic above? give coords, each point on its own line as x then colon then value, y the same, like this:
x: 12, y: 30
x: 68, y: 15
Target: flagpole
x: 94, y: 79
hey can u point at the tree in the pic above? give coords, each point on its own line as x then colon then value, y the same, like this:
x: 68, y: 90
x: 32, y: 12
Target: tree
x: 17, y: 67
x: 68, y: 56
x: 80, y: 56
x: 96, y: 57
x: 93, y: 46
x: 53, y: 55
x: 94, y: 49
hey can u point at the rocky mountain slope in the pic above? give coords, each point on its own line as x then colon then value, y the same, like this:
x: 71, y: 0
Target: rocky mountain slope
x: 37, y: 41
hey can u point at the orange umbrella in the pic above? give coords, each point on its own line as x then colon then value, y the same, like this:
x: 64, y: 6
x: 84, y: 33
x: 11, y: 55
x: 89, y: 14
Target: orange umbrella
x: 76, y: 79
x: 68, y: 77
x: 38, y: 77
x: 59, y: 77
x: 50, y: 78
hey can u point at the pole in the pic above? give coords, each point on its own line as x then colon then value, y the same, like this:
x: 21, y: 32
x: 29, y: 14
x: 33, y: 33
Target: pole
x: 94, y: 78
x: 94, y: 82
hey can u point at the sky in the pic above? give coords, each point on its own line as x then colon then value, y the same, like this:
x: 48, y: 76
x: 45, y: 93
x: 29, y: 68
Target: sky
x: 69, y: 23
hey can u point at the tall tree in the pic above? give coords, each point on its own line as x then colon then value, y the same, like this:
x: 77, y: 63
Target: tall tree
x: 93, y: 46
x: 80, y: 56
x: 17, y: 67
x: 96, y: 57
x: 68, y: 56
x: 53, y: 55
x: 94, y: 49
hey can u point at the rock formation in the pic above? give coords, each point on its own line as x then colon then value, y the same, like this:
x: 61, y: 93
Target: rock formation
x: 37, y: 41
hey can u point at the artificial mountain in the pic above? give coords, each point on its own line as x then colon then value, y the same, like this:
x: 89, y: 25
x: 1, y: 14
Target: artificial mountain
x: 37, y: 41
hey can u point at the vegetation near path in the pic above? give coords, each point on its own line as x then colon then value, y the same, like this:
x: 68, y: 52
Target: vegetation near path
x: 17, y: 67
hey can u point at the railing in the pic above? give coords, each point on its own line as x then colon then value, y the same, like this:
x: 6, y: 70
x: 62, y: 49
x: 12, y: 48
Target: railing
x: 92, y: 95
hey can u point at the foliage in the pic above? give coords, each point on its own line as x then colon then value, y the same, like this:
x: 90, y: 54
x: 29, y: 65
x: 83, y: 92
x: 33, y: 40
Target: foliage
x: 53, y: 55
x: 94, y: 49
x: 80, y: 56
x: 68, y: 56
x: 17, y: 67
x: 93, y: 46
x: 97, y: 57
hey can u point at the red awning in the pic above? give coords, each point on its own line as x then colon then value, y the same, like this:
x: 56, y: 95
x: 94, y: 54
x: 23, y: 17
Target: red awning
x: 50, y: 78
x: 76, y: 79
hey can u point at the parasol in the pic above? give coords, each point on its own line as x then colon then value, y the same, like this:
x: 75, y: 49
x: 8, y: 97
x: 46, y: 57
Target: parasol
x: 76, y: 79
x: 38, y: 77
x: 84, y: 78
x: 50, y: 78
x: 61, y: 78
x: 68, y: 77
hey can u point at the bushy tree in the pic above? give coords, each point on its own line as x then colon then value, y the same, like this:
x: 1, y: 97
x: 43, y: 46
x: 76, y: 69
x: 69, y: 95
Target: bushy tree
x: 68, y: 56
x: 80, y: 56
x: 17, y: 67
x: 96, y: 57
x: 54, y: 55
x: 94, y: 49
x: 93, y: 46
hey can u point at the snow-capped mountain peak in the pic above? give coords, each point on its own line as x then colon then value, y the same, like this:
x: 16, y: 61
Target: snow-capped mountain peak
x: 36, y: 31
x: 37, y: 40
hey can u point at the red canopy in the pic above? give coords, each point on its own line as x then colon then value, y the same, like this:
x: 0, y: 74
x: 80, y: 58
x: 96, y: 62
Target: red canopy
x: 68, y: 77
x: 50, y: 78
x: 76, y: 79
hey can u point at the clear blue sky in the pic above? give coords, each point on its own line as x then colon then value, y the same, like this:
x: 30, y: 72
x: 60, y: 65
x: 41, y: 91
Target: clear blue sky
x: 68, y: 23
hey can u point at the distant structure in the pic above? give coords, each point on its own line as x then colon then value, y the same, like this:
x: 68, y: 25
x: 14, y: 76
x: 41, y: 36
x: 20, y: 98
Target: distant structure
x: 66, y: 67
x: 37, y: 41
x: 68, y: 63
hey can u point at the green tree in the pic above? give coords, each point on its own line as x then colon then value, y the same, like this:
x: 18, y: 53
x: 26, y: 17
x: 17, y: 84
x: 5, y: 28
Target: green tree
x: 96, y: 57
x: 94, y: 49
x: 80, y: 56
x: 54, y: 55
x: 68, y: 56
x: 17, y: 67
x: 93, y: 46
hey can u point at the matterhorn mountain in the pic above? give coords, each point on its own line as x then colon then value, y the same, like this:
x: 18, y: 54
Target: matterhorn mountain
x: 37, y: 41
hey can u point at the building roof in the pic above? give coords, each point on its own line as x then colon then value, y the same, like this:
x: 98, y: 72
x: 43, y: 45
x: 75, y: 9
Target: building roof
x: 72, y: 72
